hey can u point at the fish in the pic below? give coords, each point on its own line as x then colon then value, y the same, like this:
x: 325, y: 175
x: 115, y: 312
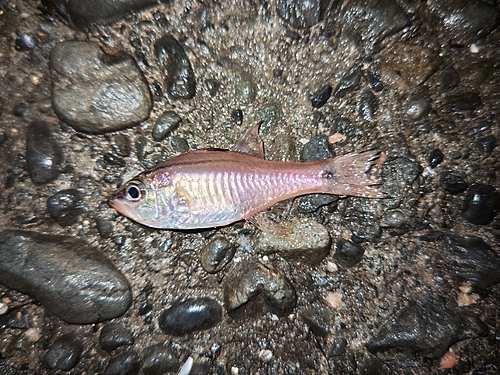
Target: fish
x: 208, y: 188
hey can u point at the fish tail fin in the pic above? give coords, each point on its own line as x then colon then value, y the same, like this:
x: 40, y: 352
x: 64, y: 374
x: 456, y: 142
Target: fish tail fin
x: 350, y: 175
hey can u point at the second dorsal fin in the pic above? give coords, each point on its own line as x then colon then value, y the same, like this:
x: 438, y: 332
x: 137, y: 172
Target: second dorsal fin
x: 250, y: 143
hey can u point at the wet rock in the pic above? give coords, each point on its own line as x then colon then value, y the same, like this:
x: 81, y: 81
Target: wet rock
x: 336, y: 347
x: 237, y: 116
x: 121, y: 144
x: 252, y: 288
x: 311, y: 203
x: 452, y: 184
x: 424, y: 328
x: 471, y: 260
x: 190, y: 315
x: 244, y: 88
x: 158, y: 359
x: 435, y: 158
x: 95, y: 92
x: 83, y: 14
x: 486, y: 145
x: 167, y: 123
x: 349, y: 82
x: 449, y: 78
x: 25, y: 42
x: 348, y: 254
x: 481, y: 205
x: 216, y: 254
x: 17, y: 318
x: 85, y: 286
x: 112, y: 159
x: 64, y: 353
x: 43, y: 154
x: 299, y: 14
x: 467, y: 21
x: 180, y: 144
x: 114, y: 335
x: 367, y: 105
x: 371, y: 21
x: 409, y: 65
x: 125, y: 363
x: 397, y: 218
x: 303, y: 240
x: 320, y: 98
x: 141, y: 144
x: 65, y: 206
x: 320, y: 321
x: 104, y: 226
x: 213, y: 86
x: 467, y: 101
x: 417, y: 106
x: 179, y: 75
x: 19, y: 109
x: 317, y: 148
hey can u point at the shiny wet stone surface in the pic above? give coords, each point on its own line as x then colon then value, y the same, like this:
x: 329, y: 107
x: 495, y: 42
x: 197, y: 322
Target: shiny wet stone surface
x: 93, y: 95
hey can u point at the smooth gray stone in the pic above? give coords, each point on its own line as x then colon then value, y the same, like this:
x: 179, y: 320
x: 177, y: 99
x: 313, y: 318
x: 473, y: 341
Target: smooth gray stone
x: 71, y: 279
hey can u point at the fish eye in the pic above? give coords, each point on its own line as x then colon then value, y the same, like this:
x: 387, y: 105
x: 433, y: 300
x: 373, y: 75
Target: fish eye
x: 134, y: 190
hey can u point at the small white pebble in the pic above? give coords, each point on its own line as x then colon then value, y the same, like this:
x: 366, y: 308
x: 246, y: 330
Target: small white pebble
x: 474, y: 48
x: 331, y: 267
x: 3, y: 308
x: 334, y: 300
x: 266, y: 355
x: 235, y: 370
x: 33, y: 334
x: 274, y: 318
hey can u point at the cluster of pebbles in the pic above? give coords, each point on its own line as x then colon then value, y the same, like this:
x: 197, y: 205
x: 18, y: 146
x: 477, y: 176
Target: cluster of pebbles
x: 93, y: 94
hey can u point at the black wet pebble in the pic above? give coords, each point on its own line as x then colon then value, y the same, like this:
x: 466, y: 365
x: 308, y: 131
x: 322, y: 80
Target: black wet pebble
x: 167, y: 123
x: 486, y: 145
x: 112, y: 159
x: 319, y: 99
x: 349, y: 82
x: 114, y: 335
x: 25, y: 42
x: 216, y: 254
x: 64, y: 353
x: 158, y: 359
x: 320, y: 321
x: 481, y: 205
x: 316, y: 149
x: 348, y: 254
x: 180, y: 79
x: 125, y: 363
x: 367, y: 105
x: 65, y: 206
x: 104, y: 227
x: 180, y: 144
x: 436, y: 157
x: 19, y: 109
x: 121, y: 144
x: 190, y: 315
x: 237, y: 116
x: 375, y: 83
x: 451, y: 183
x: 43, y: 153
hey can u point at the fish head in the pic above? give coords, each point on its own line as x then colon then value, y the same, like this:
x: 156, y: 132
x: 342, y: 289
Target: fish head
x: 136, y: 199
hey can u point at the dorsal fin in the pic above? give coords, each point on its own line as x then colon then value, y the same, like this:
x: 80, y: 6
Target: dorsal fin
x: 250, y: 143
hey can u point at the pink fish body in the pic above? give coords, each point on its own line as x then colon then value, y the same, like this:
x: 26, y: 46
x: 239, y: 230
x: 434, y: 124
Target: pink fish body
x: 211, y: 187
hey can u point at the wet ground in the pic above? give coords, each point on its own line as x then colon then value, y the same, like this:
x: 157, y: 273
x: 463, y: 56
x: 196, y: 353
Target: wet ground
x: 407, y: 284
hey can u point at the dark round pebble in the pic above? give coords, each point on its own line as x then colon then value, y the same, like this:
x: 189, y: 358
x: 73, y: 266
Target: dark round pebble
x: 104, y: 227
x: 216, y: 254
x: 65, y: 206
x: 64, y: 353
x: 19, y: 109
x: 158, y: 359
x: 417, y: 106
x: 114, y: 335
x: 25, y: 43
x: 451, y: 183
x: 125, y: 363
x: 43, y: 153
x: 237, y: 116
x: 319, y: 99
x: 194, y: 314
x: 180, y: 144
x: 367, y: 105
x: 337, y: 347
x: 481, y: 204
x: 436, y: 157
x: 348, y: 254
x: 167, y: 123
x: 486, y: 145
x: 349, y: 82
x: 111, y: 159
